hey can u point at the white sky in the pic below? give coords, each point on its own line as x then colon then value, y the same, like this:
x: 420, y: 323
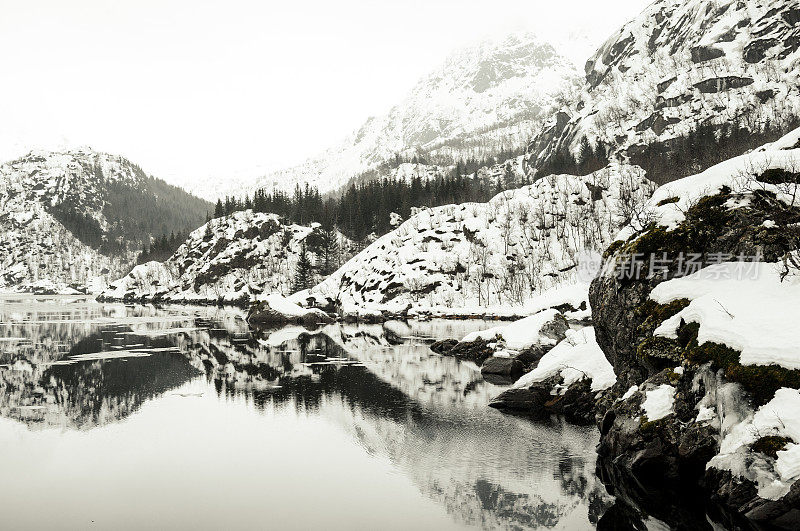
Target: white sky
x: 195, y: 88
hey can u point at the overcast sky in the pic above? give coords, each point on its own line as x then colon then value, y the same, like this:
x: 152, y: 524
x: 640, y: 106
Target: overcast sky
x: 193, y: 88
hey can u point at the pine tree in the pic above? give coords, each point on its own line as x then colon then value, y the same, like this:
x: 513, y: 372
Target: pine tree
x: 219, y: 210
x: 303, y: 272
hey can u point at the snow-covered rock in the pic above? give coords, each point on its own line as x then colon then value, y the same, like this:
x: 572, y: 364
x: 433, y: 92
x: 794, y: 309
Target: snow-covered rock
x: 706, y: 344
x: 575, y: 358
x: 233, y: 259
x: 275, y: 309
x: 520, y: 334
x: 746, y: 306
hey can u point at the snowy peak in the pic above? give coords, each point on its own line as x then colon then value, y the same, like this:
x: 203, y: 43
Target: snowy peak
x: 482, y: 98
x: 488, y: 64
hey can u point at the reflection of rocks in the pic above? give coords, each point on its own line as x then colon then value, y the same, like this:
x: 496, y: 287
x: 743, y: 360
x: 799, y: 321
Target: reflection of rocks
x: 88, y: 394
x: 425, y: 413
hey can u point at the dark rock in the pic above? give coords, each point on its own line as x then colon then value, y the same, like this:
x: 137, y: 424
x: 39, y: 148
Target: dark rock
x: 721, y: 84
x: 756, y: 50
x: 506, y: 367
x: 531, y: 399
x: 444, y: 346
x: 701, y: 54
x: 664, y: 85
x: 477, y: 351
x: 677, y: 101
x: 576, y: 403
x: 672, y: 453
x: 765, y: 95
x: 530, y: 356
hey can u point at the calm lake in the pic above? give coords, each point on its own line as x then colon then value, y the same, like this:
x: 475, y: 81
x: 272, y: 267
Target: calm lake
x: 124, y: 417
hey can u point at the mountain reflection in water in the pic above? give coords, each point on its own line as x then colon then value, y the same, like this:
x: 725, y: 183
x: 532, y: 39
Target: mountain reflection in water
x: 373, y: 398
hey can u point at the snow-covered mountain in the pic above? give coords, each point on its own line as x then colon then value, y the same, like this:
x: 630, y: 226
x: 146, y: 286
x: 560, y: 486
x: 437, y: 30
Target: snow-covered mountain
x: 234, y: 258
x: 677, y: 67
x: 79, y: 217
x: 489, y: 257
x: 482, y: 98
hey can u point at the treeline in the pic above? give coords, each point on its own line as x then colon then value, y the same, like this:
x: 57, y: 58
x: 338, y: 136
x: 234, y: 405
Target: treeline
x: 162, y: 247
x: 590, y: 159
x: 150, y: 210
x: 83, y: 226
x: 366, y: 207
x: 465, y: 166
x: 704, y: 147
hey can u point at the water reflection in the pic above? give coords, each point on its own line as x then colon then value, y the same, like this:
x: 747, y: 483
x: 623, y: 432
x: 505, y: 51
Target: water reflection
x: 77, y: 364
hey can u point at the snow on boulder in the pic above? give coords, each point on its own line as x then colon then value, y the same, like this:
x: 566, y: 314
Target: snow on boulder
x: 742, y: 305
x: 659, y: 402
x: 669, y: 202
x: 544, y: 328
x: 275, y: 309
x: 146, y: 280
x: 566, y: 380
x: 765, y: 448
x: 576, y: 358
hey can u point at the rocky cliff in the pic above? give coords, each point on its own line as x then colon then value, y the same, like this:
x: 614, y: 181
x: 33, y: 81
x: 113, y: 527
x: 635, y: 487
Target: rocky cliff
x: 696, y: 310
x: 684, y: 85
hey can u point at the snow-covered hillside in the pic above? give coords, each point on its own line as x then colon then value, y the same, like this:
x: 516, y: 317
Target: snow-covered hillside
x: 233, y: 259
x: 484, y: 97
x: 678, y: 66
x: 35, y: 248
x: 79, y: 217
x: 476, y: 257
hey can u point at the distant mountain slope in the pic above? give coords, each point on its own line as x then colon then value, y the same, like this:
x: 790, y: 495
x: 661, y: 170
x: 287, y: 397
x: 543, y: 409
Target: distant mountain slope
x: 70, y: 216
x: 233, y: 258
x: 685, y: 85
x: 487, y: 255
x: 35, y: 247
x: 483, y: 98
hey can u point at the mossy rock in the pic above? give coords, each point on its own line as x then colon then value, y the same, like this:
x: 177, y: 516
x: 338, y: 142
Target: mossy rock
x: 652, y: 314
x: 648, y: 427
x: 660, y: 352
x: 761, y: 381
x: 770, y: 445
x: 613, y: 248
x: 668, y: 200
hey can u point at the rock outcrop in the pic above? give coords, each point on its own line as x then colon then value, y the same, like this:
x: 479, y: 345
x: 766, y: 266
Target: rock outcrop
x: 233, y: 259
x: 680, y: 400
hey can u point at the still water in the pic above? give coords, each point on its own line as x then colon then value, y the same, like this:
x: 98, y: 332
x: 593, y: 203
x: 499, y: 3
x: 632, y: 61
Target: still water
x: 124, y: 417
